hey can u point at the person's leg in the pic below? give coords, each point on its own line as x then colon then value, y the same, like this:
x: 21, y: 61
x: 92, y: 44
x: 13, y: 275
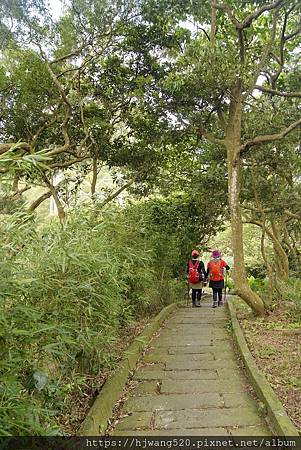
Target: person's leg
x: 193, y: 297
x: 199, y: 296
x: 214, y: 294
x: 220, y: 296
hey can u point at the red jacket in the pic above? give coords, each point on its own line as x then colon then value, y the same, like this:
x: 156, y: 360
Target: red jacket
x: 223, y: 265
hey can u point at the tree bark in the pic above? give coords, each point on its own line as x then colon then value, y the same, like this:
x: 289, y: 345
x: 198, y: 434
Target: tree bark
x: 287, y: 240
x: 60, y: 209
x: 281, y: 259
x: 15, y: 185
x: 115, y: 194
x: 233, y: 143
x: 267, y: 264
x: 22, y: 147
x: 94, y: 178
x: 35, y: 204
x: 213, y: 24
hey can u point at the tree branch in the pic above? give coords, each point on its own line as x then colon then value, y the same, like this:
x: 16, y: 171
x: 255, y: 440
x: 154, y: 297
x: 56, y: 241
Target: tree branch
x: 247, y: 22
x: 116, y: 193
x: 253, y: 222
x: 34, y: 205
x: 258, y: 140
x: 204, y: 31
x: 292, y: 34
x: 213, y: 24
x: 65, y: 164
x: 222, y: 119
x: 275, y: 76
x: 292, y: 215
x: 264, y: 57
x: 15, y: 146
x: 283, y: 40
x: 54, y: 192
x: 276, y: 92
x: 65, y: 99
x: 70, y: 55
x: 226, y: 8
x: 210, y: 137
x: 257, y: 210
x: 94, y: 177
x: 21, y: 191
x: 241, y: 46
x: 46, y: 125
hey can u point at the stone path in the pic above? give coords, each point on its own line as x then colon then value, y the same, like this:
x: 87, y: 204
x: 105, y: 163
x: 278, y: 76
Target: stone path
x: 189, y: 382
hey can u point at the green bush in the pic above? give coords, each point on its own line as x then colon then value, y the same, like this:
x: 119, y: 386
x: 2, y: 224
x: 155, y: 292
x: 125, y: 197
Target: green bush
x: 229, y: 283
x: 291, y: 292
x: 257, y: 271
x: 256, y: 284
x: 68, y: 295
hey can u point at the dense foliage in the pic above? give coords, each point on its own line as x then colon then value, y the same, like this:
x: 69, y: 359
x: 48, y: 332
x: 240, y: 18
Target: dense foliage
x: 195, y: 111
x: 70, y: 294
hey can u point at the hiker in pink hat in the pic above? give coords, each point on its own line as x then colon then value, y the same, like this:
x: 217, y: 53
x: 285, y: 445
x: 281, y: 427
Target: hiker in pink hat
x: 215, y: 272
x: 196, y: 277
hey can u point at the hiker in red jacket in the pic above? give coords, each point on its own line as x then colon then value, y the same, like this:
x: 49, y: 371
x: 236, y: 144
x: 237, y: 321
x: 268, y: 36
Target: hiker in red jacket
x: 215, y: 272
x: 196, y: 277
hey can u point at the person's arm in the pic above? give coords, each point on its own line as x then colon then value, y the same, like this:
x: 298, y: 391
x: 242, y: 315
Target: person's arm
x: 226, y: 266
x: 208, y: 269
x: 202, y: 271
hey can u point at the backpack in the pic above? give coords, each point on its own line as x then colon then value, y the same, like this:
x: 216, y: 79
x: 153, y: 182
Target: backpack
x: 194, y: 276
x: 216, y: 271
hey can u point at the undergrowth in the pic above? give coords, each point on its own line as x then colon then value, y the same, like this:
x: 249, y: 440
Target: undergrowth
x: 67, y: 296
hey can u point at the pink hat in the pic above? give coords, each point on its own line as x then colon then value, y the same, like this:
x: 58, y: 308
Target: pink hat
x: 194, y: 253
x: 216, y: 254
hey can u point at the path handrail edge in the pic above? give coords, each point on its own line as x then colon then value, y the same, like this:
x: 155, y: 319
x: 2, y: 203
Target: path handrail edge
x: 96, y: 421
x: 276, y: 412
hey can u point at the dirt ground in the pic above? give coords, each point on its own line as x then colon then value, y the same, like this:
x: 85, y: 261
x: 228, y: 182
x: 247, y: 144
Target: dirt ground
x: 275, y: 343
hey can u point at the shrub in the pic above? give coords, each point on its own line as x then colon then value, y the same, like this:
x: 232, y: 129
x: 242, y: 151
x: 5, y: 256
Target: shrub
x: 67, y: 296
x: 256, y: 284
x: 291, y: 293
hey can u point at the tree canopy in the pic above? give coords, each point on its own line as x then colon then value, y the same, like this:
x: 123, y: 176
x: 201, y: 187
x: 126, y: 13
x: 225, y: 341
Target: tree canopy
x: 193, y: 108
x: 173, y: 96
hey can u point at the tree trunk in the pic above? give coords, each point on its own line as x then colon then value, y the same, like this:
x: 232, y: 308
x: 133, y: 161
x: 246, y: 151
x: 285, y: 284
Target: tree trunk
x: 290, y: 246
x: 233, y: 142
x: 239, y: 275
x: 60, y: 209
x: 114, y: 195
x: 213, y: 25
x: 15, y: 185
x: 35, y: 204
x: 94, y: 178
x: 281, y: 259
x: 268, y: 266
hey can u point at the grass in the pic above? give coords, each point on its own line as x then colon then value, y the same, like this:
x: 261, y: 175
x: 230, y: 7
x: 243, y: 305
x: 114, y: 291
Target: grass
x: 275, y: 342
x: 72, y: 299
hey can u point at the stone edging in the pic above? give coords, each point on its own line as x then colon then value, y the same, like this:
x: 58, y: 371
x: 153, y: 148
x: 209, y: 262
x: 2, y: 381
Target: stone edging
x: 97, y: 418
x: 276, y: 413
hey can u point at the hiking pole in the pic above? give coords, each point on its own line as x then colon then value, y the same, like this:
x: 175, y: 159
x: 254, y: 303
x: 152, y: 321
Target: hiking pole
x: 226, y: 281
x: 187, y: 297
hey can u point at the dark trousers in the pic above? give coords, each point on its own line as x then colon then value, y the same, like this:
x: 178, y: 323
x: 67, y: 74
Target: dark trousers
x: 196, y: 295
x: 217, y: 293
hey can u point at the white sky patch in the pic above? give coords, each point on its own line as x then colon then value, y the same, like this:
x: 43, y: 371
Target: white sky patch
x: 260, y: 80
x: 56, y: 8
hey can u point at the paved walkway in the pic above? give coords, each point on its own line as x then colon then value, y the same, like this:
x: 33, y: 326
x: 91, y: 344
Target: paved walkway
x: 189, y: 382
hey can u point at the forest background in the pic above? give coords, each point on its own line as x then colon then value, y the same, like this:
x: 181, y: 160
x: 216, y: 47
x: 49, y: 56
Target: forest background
x: 193, y: 108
